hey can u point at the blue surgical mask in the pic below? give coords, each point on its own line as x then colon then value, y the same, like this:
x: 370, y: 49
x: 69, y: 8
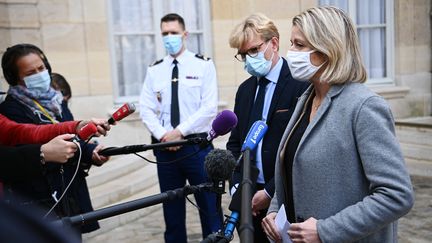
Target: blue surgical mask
x: 258, y: 66
x: 173, y: 43
x: 38, y: 81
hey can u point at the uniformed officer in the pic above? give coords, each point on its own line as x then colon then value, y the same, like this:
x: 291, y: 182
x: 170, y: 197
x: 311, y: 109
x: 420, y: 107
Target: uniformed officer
x: 179, y: 101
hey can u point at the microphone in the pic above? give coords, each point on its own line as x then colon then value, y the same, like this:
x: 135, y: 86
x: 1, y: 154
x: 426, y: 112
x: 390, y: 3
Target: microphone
x: 254, y: 136
x: 224, y: 122
x: 87, y: 131
x: 219, y: 165
x: 122, y: 112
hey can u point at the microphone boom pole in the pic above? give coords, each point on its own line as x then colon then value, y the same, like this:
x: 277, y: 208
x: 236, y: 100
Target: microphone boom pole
x: 143, y: 147
x: 126, y: 207
x: 246, y: 227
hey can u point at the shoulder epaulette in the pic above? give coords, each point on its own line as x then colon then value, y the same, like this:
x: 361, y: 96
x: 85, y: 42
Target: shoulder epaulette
x: 156, y: 63
x: 202, y: 57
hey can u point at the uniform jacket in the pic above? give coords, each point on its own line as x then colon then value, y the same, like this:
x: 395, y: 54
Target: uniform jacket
x: 282, y: 105
x: 197, y: 95
x: 348, y: 171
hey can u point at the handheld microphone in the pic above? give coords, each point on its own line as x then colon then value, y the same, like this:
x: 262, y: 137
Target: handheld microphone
x: 122, y: 112
x: 87, y: 131
x: 254, y: 136
x: 224, y: 122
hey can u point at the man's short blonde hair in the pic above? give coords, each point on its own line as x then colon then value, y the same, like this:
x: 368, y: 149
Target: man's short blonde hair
x: 330, y: 31
x: 256, y: 24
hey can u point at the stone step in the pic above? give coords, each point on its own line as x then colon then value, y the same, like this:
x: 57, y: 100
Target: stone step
x: 124, y: 186
x: 413, y: 135
x: 113, y: 222
x: 114, y: 168
x: 417, y: 152
x: 419, y: 168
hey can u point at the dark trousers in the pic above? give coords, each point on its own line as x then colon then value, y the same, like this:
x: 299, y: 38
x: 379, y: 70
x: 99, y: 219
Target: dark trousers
x: 173, y: 176
x: 259, y: 235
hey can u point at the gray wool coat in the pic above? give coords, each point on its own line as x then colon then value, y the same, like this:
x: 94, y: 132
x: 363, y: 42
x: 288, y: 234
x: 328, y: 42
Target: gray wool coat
x: 348, y: 171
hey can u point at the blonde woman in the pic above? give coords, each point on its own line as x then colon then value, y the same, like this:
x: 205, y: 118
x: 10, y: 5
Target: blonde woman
x: 339, y: 171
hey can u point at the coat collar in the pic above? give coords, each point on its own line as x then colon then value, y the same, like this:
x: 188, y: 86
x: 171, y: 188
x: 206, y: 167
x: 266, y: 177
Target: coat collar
x: 334, y: 91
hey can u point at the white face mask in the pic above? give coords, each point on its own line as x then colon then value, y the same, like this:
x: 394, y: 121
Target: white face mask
x: 300, y: 65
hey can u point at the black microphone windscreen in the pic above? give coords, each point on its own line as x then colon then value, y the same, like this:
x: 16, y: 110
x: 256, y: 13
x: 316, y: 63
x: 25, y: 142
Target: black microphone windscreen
x: 219, y: 164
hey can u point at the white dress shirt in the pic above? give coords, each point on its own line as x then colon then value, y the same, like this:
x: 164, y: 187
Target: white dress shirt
x: 197, y: 92
x: 273, y: 77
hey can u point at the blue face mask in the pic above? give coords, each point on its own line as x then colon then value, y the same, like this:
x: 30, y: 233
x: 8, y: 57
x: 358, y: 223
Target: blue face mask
x: 38, y: 81
x: 258, y: 66
x: 173, y: 43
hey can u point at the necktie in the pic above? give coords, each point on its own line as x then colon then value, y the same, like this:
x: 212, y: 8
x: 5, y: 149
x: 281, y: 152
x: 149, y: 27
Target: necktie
x: 257, y: 109
x: 175, y: 113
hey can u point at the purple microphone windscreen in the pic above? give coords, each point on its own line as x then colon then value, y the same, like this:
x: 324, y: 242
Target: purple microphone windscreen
x: 224, y: 122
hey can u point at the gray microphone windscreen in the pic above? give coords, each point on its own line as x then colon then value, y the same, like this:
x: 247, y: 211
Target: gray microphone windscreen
x: 219, y: 164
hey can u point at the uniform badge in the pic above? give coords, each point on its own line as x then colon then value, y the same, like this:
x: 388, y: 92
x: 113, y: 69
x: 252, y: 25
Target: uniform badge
x: 192, y: 77
x: 159, y: 97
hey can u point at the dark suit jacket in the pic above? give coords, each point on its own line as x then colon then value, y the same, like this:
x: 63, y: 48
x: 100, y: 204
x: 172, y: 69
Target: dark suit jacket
x: 281, y: 108
x: 40, y: 187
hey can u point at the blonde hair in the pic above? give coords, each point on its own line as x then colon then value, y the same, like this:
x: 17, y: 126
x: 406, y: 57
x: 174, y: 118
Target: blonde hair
x: 255, y: 24
x: 330, y: 31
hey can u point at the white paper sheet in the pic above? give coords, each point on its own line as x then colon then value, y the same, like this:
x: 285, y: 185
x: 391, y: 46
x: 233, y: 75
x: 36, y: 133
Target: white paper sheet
x: 282, y: 224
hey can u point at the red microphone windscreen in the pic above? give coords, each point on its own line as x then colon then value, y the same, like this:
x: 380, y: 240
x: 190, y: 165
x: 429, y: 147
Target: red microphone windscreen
x: 122, y: 112
x: 86, y: 131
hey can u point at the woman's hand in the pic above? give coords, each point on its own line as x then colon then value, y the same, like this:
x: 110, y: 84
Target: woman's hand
x: 98, y: 159
x: 101, y: 124
x: 269, y: 226
x: 59, y: 149
x: 304, y: 232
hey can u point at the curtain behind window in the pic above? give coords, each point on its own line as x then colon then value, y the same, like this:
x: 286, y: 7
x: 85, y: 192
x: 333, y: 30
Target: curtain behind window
x: 371, y: 30
x: 136, y: 42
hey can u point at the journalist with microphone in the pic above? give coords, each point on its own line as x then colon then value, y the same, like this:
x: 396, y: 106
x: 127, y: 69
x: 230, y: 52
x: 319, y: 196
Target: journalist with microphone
x: 179, y: 101
x: 270, y: 94
x: 30, y: 99
x: 340, y: 172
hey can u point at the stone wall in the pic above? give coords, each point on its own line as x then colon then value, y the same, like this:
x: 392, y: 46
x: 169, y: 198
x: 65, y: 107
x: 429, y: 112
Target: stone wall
x: 74, y: 35
x: 413, y: 49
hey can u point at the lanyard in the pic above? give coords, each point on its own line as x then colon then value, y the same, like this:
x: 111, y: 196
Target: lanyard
x: 53, y: 121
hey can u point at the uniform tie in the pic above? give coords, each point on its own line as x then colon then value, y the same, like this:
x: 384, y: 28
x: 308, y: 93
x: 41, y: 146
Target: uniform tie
x: 175, y: 113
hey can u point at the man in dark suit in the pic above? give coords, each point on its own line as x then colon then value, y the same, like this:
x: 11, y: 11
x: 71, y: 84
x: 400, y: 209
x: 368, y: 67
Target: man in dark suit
x: 270, y: 94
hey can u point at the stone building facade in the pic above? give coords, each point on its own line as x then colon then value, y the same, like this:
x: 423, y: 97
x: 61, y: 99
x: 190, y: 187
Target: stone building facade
x: 77, y: 38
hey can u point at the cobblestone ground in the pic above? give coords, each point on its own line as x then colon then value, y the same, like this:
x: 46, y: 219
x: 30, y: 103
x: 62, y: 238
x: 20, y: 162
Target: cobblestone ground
x: 415, y: 227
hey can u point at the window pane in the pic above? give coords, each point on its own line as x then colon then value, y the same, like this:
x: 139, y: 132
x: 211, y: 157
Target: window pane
x: 195, y: 43
x: 342, y: 4
x: 132, y: 15
x: 370, y: 12
x: 190, y: 10
x: 372, y: 43
x: 134, y: 54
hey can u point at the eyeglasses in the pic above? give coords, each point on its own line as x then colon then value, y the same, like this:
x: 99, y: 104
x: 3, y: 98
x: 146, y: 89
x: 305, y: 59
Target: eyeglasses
x: 252, y: 52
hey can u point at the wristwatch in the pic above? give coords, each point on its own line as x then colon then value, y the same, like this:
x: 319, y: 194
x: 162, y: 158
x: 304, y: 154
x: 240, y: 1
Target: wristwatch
x: 42, y: 157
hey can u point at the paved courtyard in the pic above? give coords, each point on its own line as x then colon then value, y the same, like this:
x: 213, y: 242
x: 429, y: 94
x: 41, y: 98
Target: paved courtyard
x: 415, y: 227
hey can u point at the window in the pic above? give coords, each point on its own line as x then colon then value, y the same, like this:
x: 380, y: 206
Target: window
x: 374, y: 21
x: 136, y: 42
